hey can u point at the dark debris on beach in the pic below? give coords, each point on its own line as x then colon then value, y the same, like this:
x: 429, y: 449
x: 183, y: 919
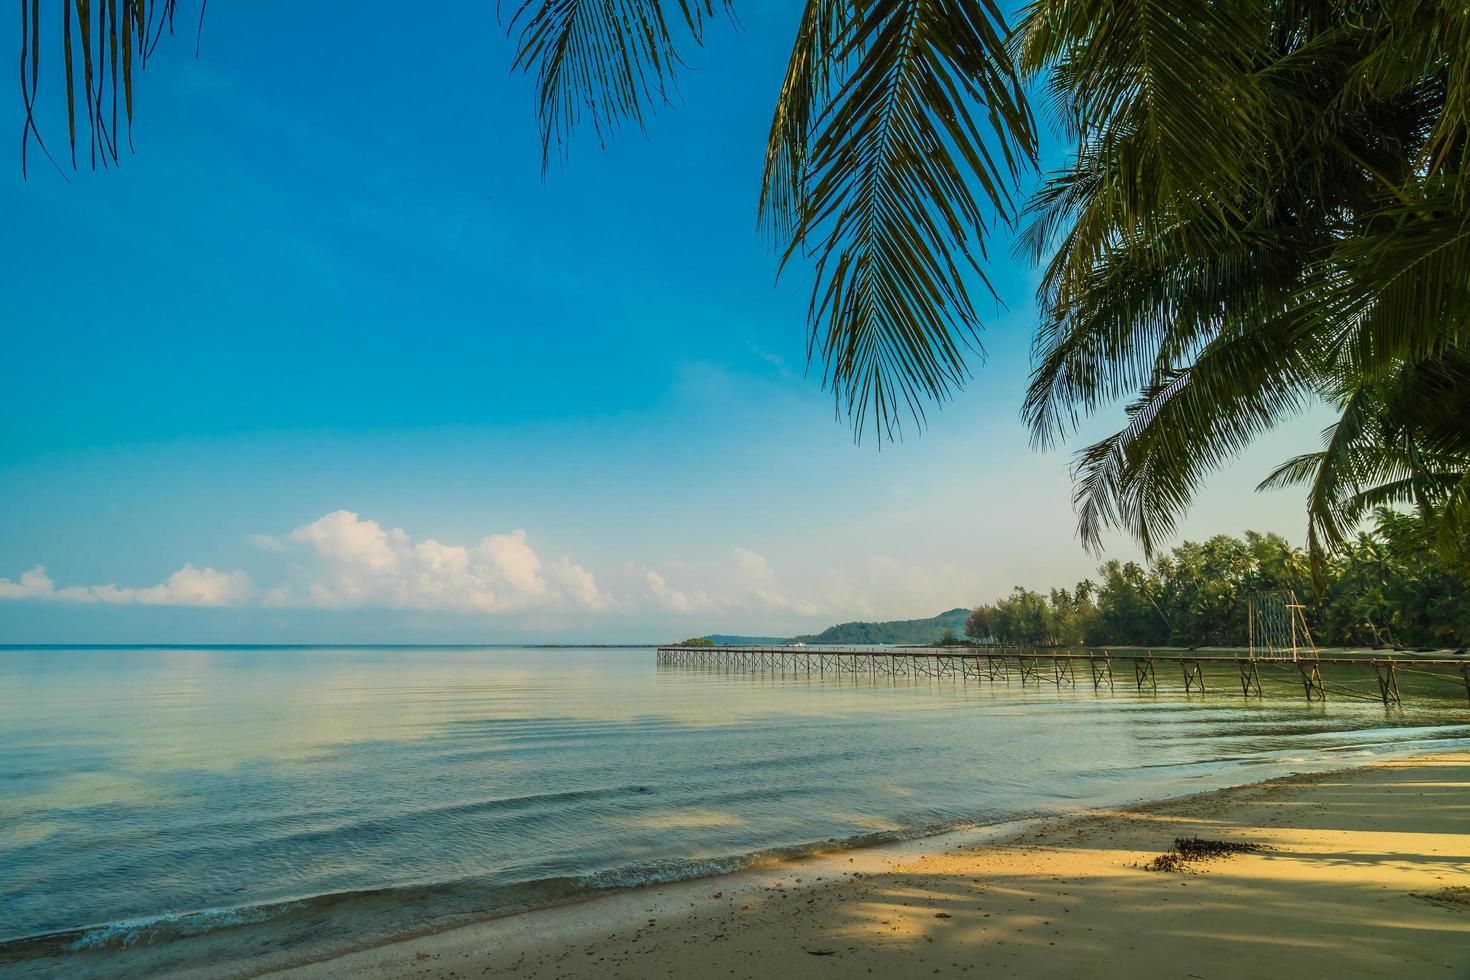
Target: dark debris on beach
x: 1188, y: 850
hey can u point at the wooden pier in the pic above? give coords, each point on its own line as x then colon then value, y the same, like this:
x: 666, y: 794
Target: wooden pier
x: 1137, y: 670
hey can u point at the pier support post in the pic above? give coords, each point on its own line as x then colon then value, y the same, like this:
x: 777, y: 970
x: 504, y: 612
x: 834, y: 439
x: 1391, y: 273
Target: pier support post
x: 1194, y: 676
x: 1250, y: 678
x: 1102, y: 668
x: 1143, y: 672
x: 1311, y: 672
x: 1388, y: 682
x: 1029, y: 669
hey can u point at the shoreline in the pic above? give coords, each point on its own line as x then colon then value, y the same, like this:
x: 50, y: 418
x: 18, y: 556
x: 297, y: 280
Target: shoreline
x: 839, y: 907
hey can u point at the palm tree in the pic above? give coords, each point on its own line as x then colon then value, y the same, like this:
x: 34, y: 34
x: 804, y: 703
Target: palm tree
x: 1266, y: 207
x: 1402, y: 441
x: 1265, y: 203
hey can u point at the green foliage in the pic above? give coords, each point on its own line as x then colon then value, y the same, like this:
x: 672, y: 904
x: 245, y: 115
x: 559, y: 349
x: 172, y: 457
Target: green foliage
x: 900, y: 133
x: 1059, y: 618
x: 743, y: 640
x: 697, y: 641
x: 980, y: 625
x: 1266, y: 206
x: 1390, y: 586
x: 1395, y: 586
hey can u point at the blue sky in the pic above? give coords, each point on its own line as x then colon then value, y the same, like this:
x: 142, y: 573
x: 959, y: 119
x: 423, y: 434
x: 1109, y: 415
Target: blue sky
x: 328, y: 360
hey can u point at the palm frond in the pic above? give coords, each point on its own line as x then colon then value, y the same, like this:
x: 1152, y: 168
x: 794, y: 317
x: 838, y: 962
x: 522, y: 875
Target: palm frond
x: 1186, y: 425
x: 810, y: 71
x: 112, y: 40
x: 607, y: 60
x: 1290, y: 224
x: 1402, y: 440
x: 1401, y: 293
x: 912, y: 157
x: 1167, y: 86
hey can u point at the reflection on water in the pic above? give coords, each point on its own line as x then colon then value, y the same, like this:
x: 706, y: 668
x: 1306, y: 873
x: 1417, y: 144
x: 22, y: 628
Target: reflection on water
x: 166, y: 809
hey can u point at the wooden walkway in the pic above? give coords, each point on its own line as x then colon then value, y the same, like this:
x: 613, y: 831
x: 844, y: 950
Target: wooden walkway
x: 1101, y: 668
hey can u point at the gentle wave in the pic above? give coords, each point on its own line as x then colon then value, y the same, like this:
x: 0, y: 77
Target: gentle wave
x: 444, y: 904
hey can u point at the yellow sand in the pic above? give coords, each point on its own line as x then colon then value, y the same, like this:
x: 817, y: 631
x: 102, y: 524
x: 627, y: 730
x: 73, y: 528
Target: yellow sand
x: 1341, y: 893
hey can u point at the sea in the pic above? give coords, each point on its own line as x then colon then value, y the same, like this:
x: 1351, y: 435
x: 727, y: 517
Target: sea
x: 222, y: 811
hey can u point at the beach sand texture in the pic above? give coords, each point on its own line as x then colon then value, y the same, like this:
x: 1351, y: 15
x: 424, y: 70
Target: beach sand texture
x: 1367, y: 874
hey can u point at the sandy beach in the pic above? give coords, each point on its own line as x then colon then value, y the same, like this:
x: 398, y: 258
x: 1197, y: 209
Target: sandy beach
x: 1362, y: 872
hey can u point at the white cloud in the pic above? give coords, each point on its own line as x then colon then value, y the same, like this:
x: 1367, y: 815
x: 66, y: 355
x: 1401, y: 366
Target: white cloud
x: 34, y: 584
x: 344, y: 561
x: 680, y: 602
x: 189, y: 586
x: 747, y: 584
x: 359, y: 563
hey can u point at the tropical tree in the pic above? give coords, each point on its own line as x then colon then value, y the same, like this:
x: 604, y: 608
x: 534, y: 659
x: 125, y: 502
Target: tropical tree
x: 1128, y: 613
x: 1265, y: 205
x: 1402, y: 441
x: 979, y: 625
x: 1388, y: 586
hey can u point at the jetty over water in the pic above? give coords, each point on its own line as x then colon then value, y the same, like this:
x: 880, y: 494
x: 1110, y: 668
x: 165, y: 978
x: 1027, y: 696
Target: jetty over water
x: 1143, y: 671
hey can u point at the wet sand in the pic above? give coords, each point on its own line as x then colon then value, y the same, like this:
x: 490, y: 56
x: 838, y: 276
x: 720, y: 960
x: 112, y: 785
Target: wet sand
x: 1364, y: 873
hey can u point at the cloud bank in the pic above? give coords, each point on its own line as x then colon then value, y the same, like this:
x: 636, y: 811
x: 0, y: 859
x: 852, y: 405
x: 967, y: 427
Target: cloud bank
x: 189, y: 586
x: 344, y: 561
x: 361, y: 563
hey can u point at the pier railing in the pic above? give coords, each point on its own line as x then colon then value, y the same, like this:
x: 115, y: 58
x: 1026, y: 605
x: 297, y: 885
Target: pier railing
x: 1140, y: 670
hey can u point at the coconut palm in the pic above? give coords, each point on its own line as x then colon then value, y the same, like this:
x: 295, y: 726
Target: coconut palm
x: 1265, y: 204
x: 1402, y: 441
x: 1266, y: 207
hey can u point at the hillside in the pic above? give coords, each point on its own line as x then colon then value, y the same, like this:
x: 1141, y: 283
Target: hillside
x: 895, y: 631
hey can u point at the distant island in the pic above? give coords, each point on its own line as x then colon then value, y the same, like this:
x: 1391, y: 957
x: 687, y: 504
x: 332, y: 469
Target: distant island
x: 929, y: 630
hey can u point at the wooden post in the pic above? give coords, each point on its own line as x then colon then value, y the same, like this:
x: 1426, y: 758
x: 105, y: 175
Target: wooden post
x: 1311, y: 672
x: 1388, y: 682
x: 1143, y: 670
x: 1250, y: 677
x: 1030, y: 670
x: 1193, y: 675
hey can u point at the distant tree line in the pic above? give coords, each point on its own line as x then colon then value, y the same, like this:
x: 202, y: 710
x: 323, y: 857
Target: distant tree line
x: 1393, y: 585
x: 929, y: 630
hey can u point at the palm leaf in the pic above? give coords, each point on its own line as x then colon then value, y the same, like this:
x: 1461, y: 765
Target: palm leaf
x: 925, y: 121
x: 1228, y: 276
x: 113, y: 40
x: 814, y: 62
x: 1186, y: 425
x: 607, y: 60
x: 1404, y: 440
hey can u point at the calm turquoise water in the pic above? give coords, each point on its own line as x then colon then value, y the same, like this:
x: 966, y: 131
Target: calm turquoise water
x: 224, y: 810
